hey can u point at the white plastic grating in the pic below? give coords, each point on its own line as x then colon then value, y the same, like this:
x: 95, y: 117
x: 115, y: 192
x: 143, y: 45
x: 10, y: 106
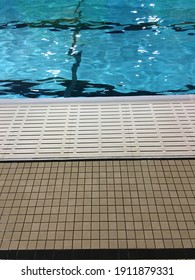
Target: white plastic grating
x: 129, y: 128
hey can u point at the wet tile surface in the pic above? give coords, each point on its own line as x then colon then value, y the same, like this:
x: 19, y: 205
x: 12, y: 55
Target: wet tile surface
x: 92, y: 205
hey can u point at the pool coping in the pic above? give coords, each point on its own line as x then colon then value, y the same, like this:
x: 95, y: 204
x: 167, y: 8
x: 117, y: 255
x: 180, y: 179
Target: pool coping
x: 105, y: 99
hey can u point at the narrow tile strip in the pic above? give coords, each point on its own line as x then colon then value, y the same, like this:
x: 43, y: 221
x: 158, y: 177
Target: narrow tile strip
x: 100, y: 254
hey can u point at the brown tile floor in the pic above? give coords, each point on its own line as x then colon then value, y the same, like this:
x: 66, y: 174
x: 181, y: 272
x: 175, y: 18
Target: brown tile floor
x: 97, y: 204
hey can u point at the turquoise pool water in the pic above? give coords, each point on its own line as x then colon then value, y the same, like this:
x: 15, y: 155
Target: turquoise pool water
x: 58, y: 48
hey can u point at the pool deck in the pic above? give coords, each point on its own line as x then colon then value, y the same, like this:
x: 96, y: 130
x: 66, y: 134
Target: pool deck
x: 65, y: 197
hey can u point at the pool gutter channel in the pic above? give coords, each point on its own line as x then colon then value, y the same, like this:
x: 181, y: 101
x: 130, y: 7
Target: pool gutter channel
x: 97, y: 128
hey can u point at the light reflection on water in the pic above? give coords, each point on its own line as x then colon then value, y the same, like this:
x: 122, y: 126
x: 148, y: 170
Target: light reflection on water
x: 81, y: 47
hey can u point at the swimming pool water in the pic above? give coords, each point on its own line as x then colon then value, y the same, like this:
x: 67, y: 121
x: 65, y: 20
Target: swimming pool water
x: 58, y: 48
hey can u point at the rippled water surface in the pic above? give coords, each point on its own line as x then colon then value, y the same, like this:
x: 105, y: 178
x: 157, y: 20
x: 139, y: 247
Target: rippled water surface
x: 58, y: 48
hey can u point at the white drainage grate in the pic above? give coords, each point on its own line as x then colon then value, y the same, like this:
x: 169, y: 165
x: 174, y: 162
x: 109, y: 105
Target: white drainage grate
x: 125, y: 128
